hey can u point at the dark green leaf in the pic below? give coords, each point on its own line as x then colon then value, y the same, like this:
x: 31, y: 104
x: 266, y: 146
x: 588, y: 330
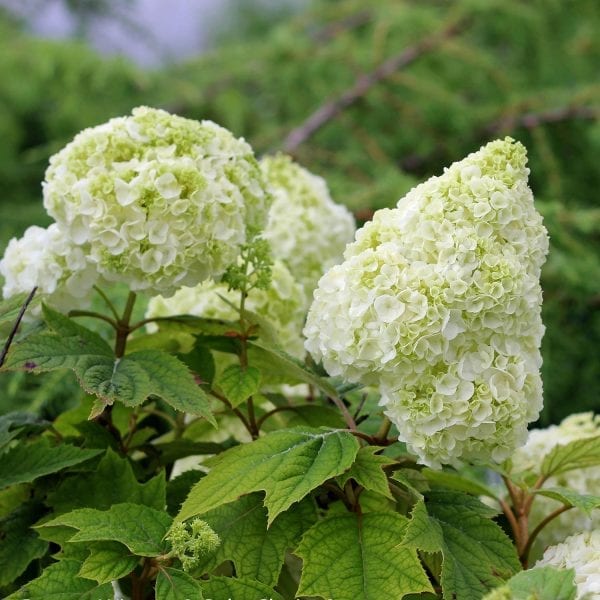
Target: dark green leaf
x: 179, y: 488
x: 173, y: 584
x: 108, y: 561
x: 286, y: 464
x: 60, y: 581
x: 220, y: 588
x: 477, y: 554
x: 360, y: 557
x: 27, y: 462
x: 239, y: 383
x: 256, y: 552
x: 140, y: 528
x: 19, y: 543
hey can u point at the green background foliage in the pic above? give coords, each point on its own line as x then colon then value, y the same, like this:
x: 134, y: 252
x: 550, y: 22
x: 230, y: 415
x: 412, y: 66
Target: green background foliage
x: 507, y: 68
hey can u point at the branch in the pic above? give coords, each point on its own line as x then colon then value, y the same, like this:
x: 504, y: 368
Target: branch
x: 15, y: 327
x: 531, y: 120
x: 330, y: 110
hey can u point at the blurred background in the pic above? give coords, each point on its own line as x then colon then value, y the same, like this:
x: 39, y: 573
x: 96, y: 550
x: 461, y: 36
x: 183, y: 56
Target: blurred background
x: 374, y: 96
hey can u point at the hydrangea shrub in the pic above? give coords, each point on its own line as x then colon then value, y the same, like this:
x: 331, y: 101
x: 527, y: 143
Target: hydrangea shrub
x: 427, y: 327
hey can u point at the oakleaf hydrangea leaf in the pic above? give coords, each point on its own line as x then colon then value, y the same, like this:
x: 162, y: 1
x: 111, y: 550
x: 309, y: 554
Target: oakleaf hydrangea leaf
x: 60, y: 581
x: 585, y: 502
x: 540, y: 583
x: 27, y: 462
x: 173, y: 584
x: 360, y: 557
x: 367, y: 471
x: 130, y: 379
x: 286, y: 464
x: 140, y: 528
x: 108, y: 561
x: 240, y: 589
x: 578, y: 454
x: 477, y: 554
x: 239, y: 383
x: 256, y: 552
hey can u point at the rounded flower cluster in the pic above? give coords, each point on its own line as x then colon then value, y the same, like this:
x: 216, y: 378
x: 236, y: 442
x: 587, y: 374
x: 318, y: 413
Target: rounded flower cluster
x: 48, y: 260
x: 582, y: 481
x: 192, y: 542
x: 156, y: 200
x: 307, y: 230
x: 582, y: 553
x: 438, y: 303
x: 282, y: 304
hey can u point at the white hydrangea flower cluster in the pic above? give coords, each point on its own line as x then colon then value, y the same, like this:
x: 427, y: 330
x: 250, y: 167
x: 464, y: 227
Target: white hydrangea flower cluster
x: 282, y: 304
x: 438, y: 302
x: 307, y: 230
x: 156, y: 200
x: 580, y: 552
x: 584, y: 481
x: 48, y: 260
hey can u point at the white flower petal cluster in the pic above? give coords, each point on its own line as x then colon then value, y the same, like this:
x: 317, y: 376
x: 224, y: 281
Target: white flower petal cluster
x: 307, y: 230
x: 48, y: 260
x: 282, y: 304
x: 438, y: 302
x: 156, y: 200
x: 584, y: 481
x: 582, y: 553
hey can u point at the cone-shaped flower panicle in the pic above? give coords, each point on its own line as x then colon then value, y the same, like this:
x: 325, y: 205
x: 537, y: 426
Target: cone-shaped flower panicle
x: 48, y: 260
x: 307, y: 230
x: 156, y: 200
x: 438, y: 302
x: 582, y: 553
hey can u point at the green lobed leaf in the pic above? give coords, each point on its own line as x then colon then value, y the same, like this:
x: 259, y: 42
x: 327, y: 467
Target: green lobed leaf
x: 367, y: 470
x: 112, y: 482
x: 219, y: 588
x: 286, y: 364
x: 477, y: 554
x: 173, y: 584
x: 179, y: 487
x: 20, y: 544
x: 130, y: 379
x: 585, y: 502
x: 543, y: 583
x: 138, y: 527
x: 360, y: 557
x: 304, y: 415
x: 27, y: 462
x: 108, y: 561
x: 574, y: 455
x: 239, y: 383
x: 457, y: 482
x: 256, y: 552
x: 60, y: 581
x: 286, y: 464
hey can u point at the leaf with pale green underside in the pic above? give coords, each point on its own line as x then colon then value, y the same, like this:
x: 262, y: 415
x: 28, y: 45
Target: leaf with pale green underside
x: 19, y: 543
x: 173, y: 584
x: 256, y: 552
x: 60, y: 581
x: 140, y: 528
x: 457, y: 483
x: 130, y: 379
x: 287, y: 365
x: 220, y: 588
x: 108, y: 561
x: 112, y: 482
x: 286, y: 464
x: 543, y: 583
x: 360, y: 557
x: 367, y: 471
x: 477, y: 554
x: 239, y: 383
x: 27, y: 462
x: 574, y: 455
x: 585, y: 502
